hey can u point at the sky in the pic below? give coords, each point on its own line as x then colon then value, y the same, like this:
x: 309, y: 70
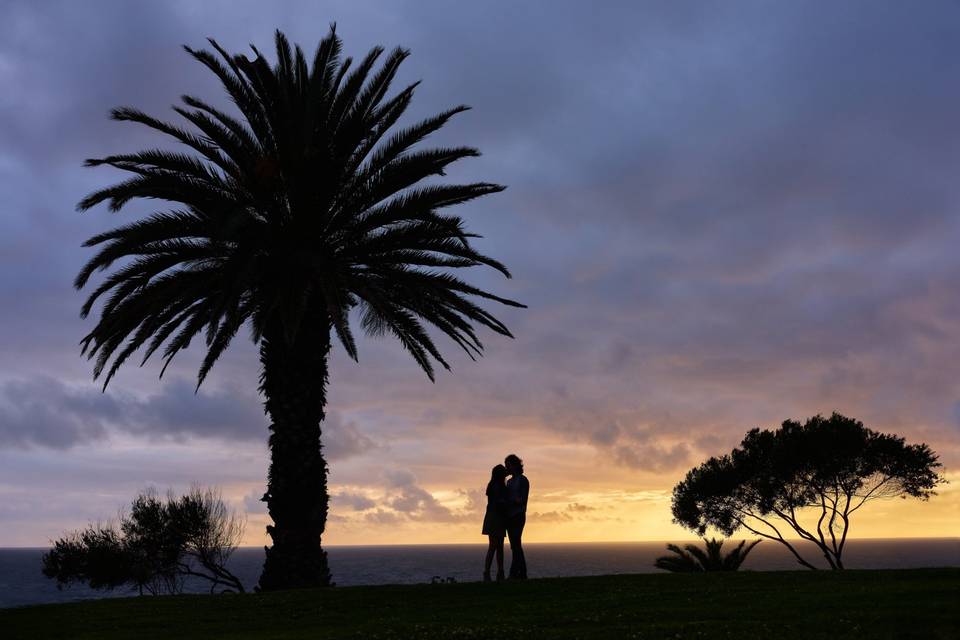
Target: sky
x: 721, y: 215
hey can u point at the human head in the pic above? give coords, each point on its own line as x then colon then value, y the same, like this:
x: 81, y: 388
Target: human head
x: 514, y: 464
x: 498, y: 474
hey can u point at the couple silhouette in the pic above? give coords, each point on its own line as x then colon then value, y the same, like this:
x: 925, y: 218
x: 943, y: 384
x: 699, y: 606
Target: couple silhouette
x: 506, y: 515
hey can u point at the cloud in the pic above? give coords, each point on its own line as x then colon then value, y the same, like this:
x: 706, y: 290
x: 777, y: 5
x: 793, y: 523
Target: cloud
x: 352, y: 501
x: 572, y: 512
x: 653, y: 457
x: 549, y: 516
x: 45, y: 412
x: 406, y: 497
x: 404, y: 500
x: 399, y: 478
x: 252, y: 502
x: 342, y: 439
x: 401, y: 499
x: 177, y: 411
x: 605, y: 435
x: 475, y: 500
x: 383, y: 517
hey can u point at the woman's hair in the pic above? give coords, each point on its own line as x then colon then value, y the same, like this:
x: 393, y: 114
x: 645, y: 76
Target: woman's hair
x: 497, y: 476
x: 514, y: 459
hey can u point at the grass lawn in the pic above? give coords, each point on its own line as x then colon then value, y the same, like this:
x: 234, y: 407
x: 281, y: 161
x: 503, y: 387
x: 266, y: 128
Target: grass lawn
x: 921, y: 603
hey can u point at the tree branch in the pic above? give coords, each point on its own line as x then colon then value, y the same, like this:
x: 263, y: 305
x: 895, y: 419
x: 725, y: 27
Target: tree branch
x: 870, y: 493
x: 806, y: 535
x: 779, y: 537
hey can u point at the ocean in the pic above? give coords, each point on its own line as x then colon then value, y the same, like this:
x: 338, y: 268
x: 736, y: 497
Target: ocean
x: 21, y: 582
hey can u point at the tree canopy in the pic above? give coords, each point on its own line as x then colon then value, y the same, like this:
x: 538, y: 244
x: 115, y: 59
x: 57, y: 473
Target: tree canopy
x: 807, y: 478
x: 154, y: 547
x: 298, y: 212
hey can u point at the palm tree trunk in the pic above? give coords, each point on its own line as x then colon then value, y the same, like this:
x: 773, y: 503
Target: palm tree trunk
x: 293, y: 382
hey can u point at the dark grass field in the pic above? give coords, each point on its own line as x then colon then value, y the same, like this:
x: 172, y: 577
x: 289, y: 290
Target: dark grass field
x: 921, y: 603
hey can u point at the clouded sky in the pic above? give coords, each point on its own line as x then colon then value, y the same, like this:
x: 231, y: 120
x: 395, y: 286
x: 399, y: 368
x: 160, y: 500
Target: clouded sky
x: 721, y: 215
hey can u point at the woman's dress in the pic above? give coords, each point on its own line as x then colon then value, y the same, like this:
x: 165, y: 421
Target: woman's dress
x: 495, y: 519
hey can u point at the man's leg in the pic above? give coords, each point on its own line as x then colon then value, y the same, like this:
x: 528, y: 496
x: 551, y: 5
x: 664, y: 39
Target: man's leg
x: 514, y: 535
x: 518, y: 562
x: 521, y: 557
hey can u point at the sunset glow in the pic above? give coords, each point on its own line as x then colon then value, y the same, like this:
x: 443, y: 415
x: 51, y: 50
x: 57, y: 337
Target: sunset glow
x: 716, y: 224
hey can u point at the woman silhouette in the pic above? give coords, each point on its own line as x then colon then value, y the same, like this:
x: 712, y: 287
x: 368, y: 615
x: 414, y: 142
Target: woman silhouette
x: 495, y: 520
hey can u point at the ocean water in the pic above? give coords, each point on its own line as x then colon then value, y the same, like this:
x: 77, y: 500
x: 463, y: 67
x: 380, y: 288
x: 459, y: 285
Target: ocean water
x: 22, y: 583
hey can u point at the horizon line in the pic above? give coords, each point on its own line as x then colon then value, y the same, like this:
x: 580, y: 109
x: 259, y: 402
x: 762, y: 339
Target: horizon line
x: 572, y: 542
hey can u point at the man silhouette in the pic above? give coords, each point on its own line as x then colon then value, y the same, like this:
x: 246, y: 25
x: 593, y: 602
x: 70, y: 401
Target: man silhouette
x: 518, y: 489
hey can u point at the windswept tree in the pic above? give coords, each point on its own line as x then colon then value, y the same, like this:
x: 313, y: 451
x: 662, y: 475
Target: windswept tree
x: 155, y: 547
x: 297, y: 214
x: 693, y: 559
x: 806, y: 478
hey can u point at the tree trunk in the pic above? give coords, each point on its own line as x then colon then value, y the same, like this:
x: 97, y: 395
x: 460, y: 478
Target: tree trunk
x: 293, y: 382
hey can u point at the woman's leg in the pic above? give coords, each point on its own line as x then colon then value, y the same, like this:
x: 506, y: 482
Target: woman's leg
x: 500, y: 558
x: 491, y: 549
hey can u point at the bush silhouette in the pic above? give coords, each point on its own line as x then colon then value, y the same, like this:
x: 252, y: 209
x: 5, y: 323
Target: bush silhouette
x: 693, y: 559
x: 154, y: 547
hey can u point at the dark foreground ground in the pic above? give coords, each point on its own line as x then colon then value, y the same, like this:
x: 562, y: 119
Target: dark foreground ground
x: 921, y: 603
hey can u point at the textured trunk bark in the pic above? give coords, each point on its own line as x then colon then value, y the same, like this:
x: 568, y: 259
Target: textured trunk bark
x: 293, y: 382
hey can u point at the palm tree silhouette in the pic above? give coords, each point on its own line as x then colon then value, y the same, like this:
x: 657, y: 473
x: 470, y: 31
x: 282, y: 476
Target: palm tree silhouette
x: 291, y: 218
x: 693, y: 559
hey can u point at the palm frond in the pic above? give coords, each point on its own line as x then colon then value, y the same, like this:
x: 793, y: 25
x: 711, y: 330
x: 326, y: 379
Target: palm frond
x: 679, y: 562
x: 289, y: 212
x: 709, y: 558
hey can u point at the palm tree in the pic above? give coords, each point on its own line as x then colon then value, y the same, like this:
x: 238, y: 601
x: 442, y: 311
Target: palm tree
x: 293, y: 218
x: 693, y: 559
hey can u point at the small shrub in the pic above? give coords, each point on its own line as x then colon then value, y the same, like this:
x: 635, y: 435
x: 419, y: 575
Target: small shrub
x: 693, y: 559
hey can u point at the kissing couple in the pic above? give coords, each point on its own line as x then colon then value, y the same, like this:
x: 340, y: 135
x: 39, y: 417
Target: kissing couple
x: 506, y: 514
